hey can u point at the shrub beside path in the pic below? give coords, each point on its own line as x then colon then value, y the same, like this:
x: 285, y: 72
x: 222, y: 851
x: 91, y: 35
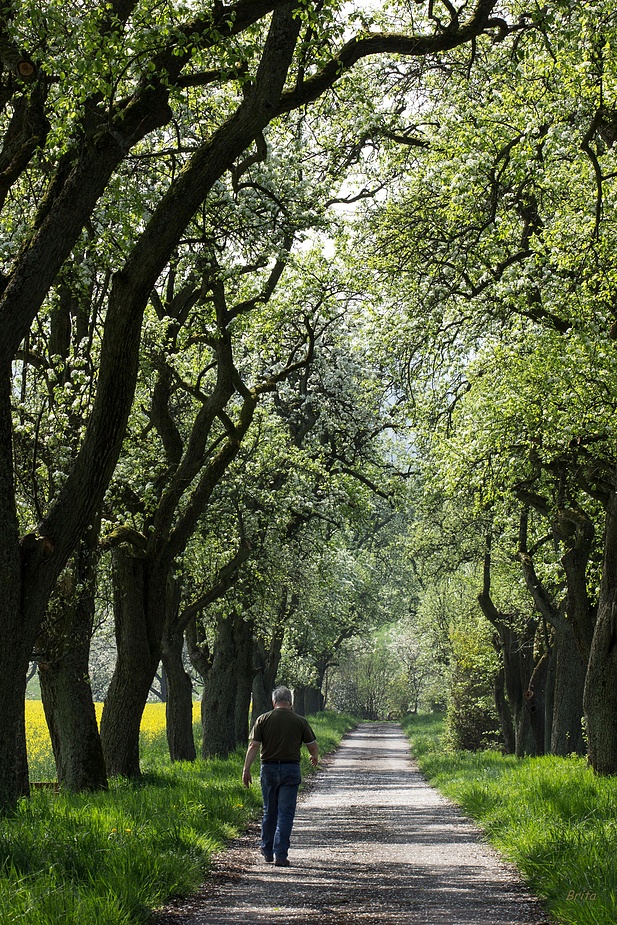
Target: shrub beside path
x: 372, y: 842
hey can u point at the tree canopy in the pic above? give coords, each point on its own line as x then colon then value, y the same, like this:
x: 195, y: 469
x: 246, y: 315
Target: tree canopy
x: 307, y: 316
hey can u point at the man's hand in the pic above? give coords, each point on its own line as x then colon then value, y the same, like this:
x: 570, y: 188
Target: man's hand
x: 251, y: 754
x: 313, y: 748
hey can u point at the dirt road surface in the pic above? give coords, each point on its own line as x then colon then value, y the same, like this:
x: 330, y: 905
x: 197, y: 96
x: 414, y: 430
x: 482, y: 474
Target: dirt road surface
x: 372, y: 843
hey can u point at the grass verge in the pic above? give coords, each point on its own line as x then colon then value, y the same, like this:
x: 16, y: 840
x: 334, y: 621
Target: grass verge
x: 553, y: 817
x: 110, y: 858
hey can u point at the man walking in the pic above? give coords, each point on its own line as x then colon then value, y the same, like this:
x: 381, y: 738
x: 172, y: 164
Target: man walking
x: 279, y: 735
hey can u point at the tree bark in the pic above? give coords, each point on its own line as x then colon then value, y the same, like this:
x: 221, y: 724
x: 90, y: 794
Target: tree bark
x: 313, y: 700
x: 16, y: 633
x: 266, y: 666
x: 534, y: 700
x: 516, y: 648
x: 300, y: 699
x: 572, y: 623
x: 567, y: 713
x: 136, y: 605
x: 518, y: 659
x: 600, y: 697
x: 266, y: 661
x: 179, y: 705
x: 576, y: 532
x: 218, y: 704
x: 63, y: 673
x: 244, y: 657
x: 504, y: 713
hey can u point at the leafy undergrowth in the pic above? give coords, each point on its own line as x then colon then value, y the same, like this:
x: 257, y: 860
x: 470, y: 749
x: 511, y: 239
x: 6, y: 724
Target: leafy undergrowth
x: 553, y: 817
x: 110, y: 858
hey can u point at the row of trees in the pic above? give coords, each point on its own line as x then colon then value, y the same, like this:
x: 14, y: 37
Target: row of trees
x: 169, y: 371
x: 498, y: 252
x: 204, y: 359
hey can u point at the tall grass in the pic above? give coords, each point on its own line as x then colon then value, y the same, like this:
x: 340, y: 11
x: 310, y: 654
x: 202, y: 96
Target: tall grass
x: 553, y: 817
x: 110, y: 858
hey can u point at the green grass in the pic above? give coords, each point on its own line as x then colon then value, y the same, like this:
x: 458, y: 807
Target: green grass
x: 110, y: 858
x: 553, y: 817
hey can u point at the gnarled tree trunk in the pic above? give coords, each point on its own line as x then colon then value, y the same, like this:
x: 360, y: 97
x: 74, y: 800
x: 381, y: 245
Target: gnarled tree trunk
x: 567, y: 712
x: 243, y: 632
x: 63, y: 671
x: 218, y: 704
x: 266, y: 667
x: 138, y: 608
x: 313, y: 700
x: 600, y: 698
x: 16, y: 640
x: 516, y: 648
x: 299, y: 703
x: 266, y: 661
x: 535, y: 702
x: 179, y: 705
x: 504, y: 713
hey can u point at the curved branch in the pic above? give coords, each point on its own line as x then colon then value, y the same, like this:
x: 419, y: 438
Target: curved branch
x: 223, y: 581
x: 389, y: 44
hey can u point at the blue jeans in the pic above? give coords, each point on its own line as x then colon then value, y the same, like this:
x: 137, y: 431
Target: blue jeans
x: 279, y: 788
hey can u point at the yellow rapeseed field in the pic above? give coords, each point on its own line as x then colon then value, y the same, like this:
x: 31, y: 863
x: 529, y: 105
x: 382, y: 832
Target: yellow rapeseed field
x: 37, y: 734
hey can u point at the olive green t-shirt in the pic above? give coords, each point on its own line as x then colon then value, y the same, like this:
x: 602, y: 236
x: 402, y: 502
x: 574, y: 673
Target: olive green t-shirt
x: 281, y: 734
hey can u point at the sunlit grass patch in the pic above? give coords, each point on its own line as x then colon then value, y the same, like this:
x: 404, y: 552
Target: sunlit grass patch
x: 553, y: 817
x: 110, y: 858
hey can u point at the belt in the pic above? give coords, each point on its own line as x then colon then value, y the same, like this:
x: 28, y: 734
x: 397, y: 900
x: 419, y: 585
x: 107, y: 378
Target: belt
x: 284, y: 761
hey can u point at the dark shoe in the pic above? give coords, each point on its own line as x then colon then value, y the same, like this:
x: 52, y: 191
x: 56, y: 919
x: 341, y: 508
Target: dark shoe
x: 268, y: 858
x: 281, y: 862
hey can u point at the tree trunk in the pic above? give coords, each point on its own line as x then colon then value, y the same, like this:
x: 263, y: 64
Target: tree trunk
x: 16, y: 635
x: 266, y: 666
x: 569, y: 682
x: 179, y: 705
x: 218, y: 704
x: 300, y: 699
x: 518, y: 659
x: 600, y: 697
x: 244, y: 655
x: 63, y: 671
x: 138, y: 657
x: 577, y: 533
x: 14, y: 660
x: 313, y: 700
x: 71, y: 718
x: 503, y: 712
x: 534, y: 699
x: 572, y: 622
x: 549, y: 697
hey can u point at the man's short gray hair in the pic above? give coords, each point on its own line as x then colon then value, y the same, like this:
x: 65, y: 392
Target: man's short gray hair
x: 281, y: 694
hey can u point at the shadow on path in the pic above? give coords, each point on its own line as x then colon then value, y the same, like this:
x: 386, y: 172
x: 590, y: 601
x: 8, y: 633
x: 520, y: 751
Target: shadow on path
x: 373, y: 843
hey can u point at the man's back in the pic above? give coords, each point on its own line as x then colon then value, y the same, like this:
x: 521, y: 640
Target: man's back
x: 281, y: 734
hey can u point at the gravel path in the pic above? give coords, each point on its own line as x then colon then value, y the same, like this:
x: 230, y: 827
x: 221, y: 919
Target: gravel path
x: 372, y: 842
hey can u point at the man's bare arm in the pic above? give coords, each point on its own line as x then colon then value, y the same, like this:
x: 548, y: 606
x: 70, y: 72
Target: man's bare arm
x: 313, y: 748
x: 251, y: 754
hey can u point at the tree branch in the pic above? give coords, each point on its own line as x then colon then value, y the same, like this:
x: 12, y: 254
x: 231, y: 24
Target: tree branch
x: 223, y: 581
